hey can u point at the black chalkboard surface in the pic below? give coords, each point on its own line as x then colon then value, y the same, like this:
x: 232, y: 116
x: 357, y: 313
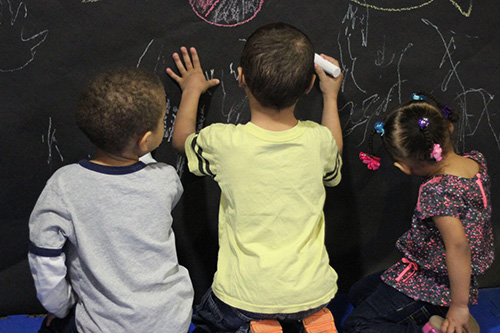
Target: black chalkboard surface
x: 387, y: 50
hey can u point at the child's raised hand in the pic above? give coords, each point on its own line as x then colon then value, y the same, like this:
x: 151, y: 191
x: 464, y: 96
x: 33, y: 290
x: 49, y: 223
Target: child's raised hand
x: 191, y: 76
x: 329, y: 85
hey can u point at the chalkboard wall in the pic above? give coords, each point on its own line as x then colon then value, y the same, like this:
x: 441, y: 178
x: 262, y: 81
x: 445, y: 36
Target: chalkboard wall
x: 387, y: 50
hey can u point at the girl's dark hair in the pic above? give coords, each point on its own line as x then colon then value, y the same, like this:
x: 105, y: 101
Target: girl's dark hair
x: 120, y: 105
x: 405, y: 139
x: 278, y: 64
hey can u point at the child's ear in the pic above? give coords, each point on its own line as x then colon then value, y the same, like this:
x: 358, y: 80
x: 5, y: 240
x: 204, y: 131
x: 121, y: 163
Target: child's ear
x: 241, y: 77
x: 403, y: 167
x: 311, y: 85
x: 144, y: 141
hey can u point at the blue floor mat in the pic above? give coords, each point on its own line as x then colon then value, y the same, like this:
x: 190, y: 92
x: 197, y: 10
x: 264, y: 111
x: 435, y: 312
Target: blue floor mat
x: 20, y: 324
x: 487, y: 312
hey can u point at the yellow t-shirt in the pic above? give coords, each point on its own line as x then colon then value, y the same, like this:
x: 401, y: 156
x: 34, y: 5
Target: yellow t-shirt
x: 272, y: 256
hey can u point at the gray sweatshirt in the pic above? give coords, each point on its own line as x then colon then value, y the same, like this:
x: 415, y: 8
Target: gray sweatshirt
x: 102, y: 237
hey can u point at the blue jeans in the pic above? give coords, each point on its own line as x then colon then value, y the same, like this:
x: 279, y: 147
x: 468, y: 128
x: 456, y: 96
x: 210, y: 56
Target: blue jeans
x: 381, y: 308
x: 213, y: 315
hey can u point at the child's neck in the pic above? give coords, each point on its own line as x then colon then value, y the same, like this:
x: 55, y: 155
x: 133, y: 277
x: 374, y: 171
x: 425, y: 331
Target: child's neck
x: 456, y: 165
x: 272, y: 119
x: 104, y: 158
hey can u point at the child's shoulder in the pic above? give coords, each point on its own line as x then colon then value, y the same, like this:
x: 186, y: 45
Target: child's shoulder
x: 167, y: 170
x: 476, y: 156
x: 318, y: 129
x: 66, y: 171
x: 219, y: 129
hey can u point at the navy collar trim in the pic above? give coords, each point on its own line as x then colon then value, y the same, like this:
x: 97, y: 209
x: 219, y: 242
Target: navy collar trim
x: 112, y: 170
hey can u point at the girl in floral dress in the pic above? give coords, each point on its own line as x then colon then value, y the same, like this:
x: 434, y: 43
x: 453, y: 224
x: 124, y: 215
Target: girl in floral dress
x: 450, y: 241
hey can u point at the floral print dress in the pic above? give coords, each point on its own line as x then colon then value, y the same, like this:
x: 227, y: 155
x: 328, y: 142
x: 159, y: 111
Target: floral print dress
x: 422, y: 273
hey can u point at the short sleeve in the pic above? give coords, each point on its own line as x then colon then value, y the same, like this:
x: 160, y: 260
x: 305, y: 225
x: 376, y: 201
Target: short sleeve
x: 436, y: 199
x: 333, y: 163
x: 199, y: 153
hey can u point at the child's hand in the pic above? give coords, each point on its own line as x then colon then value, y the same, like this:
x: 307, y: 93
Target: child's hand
x: 457, y: 320
x: 50, y: 317
x: 191, y: 75
x: 329, y: 85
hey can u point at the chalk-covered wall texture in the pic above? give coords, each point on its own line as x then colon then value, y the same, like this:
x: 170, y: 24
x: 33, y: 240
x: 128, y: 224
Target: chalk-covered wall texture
x: 387, y: 49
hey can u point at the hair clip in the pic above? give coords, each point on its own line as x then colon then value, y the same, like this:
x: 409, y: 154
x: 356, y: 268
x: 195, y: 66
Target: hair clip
x: 371, y: 161
x: 446, y: 110
x: 379, y: 128
x: 423, y: 122
x: 436, y: 152
x: 417, y: 97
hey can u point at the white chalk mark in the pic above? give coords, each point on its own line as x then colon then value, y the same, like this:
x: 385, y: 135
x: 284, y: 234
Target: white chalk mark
x: 169, y: 120
x: 233, y: 71
x: 179, y: 166
x: 18, y: 51
x: 402, y: 7
x: 52, y: 143
x: 379, y: 62
x: 399, y: 71
x: 462, y: 97
x: 144, y: 53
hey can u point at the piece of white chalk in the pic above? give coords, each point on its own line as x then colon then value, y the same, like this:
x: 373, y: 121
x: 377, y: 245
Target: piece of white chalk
x: 326, y: 65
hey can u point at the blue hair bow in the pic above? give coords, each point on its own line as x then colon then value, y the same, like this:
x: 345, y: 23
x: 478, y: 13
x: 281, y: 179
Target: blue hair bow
x: 379, y: 127
x: 417, y: 97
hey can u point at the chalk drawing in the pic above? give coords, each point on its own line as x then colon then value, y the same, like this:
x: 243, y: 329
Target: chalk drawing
x: 226, y: 13
x: 405, y: 5
x: 467, y: 127
x: 52, y: 143
x: 355, y: 21
x: 144, y: 53
x: 17, y: 50
x: 474, y: 103
x: 169, y: 120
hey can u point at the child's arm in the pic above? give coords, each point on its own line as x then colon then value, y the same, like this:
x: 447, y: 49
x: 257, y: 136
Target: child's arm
x: 53, y: 289
x: 458, y: 262
x: 193, y: 84
x: 330, y: 87
x: 49, y: 229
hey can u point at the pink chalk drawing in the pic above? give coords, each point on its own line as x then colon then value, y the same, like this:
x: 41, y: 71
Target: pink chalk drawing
x: 226, y: 13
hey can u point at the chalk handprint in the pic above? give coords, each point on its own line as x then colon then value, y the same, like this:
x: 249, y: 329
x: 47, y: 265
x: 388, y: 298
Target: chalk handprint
x: 16, y: 50
x: 226, y: 13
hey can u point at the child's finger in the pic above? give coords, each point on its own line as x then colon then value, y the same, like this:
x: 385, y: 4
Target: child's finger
x: 174, y: 76
x: 186, y: 58
x: 319, y: 71
x: 330, y: 59
x: 444, y: 325
x: 195, y: 58
x: 178, y: 63
x: 213, y: 82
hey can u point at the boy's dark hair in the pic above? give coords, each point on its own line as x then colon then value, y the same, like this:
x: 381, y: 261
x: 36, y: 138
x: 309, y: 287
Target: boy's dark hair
x: 404, y: 139
x: 118, y: 106
x: 278, y: 64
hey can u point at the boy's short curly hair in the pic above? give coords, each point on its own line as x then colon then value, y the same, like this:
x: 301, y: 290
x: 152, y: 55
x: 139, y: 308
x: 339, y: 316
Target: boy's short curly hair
x: 278, y: 64
x: 120, y: 105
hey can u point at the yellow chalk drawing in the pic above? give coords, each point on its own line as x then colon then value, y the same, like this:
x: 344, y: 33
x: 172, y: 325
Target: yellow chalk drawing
x: 400, y: 9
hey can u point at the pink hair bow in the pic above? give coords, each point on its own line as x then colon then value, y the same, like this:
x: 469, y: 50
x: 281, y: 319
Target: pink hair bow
x: 372, y: 162
x: 436, y: 152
